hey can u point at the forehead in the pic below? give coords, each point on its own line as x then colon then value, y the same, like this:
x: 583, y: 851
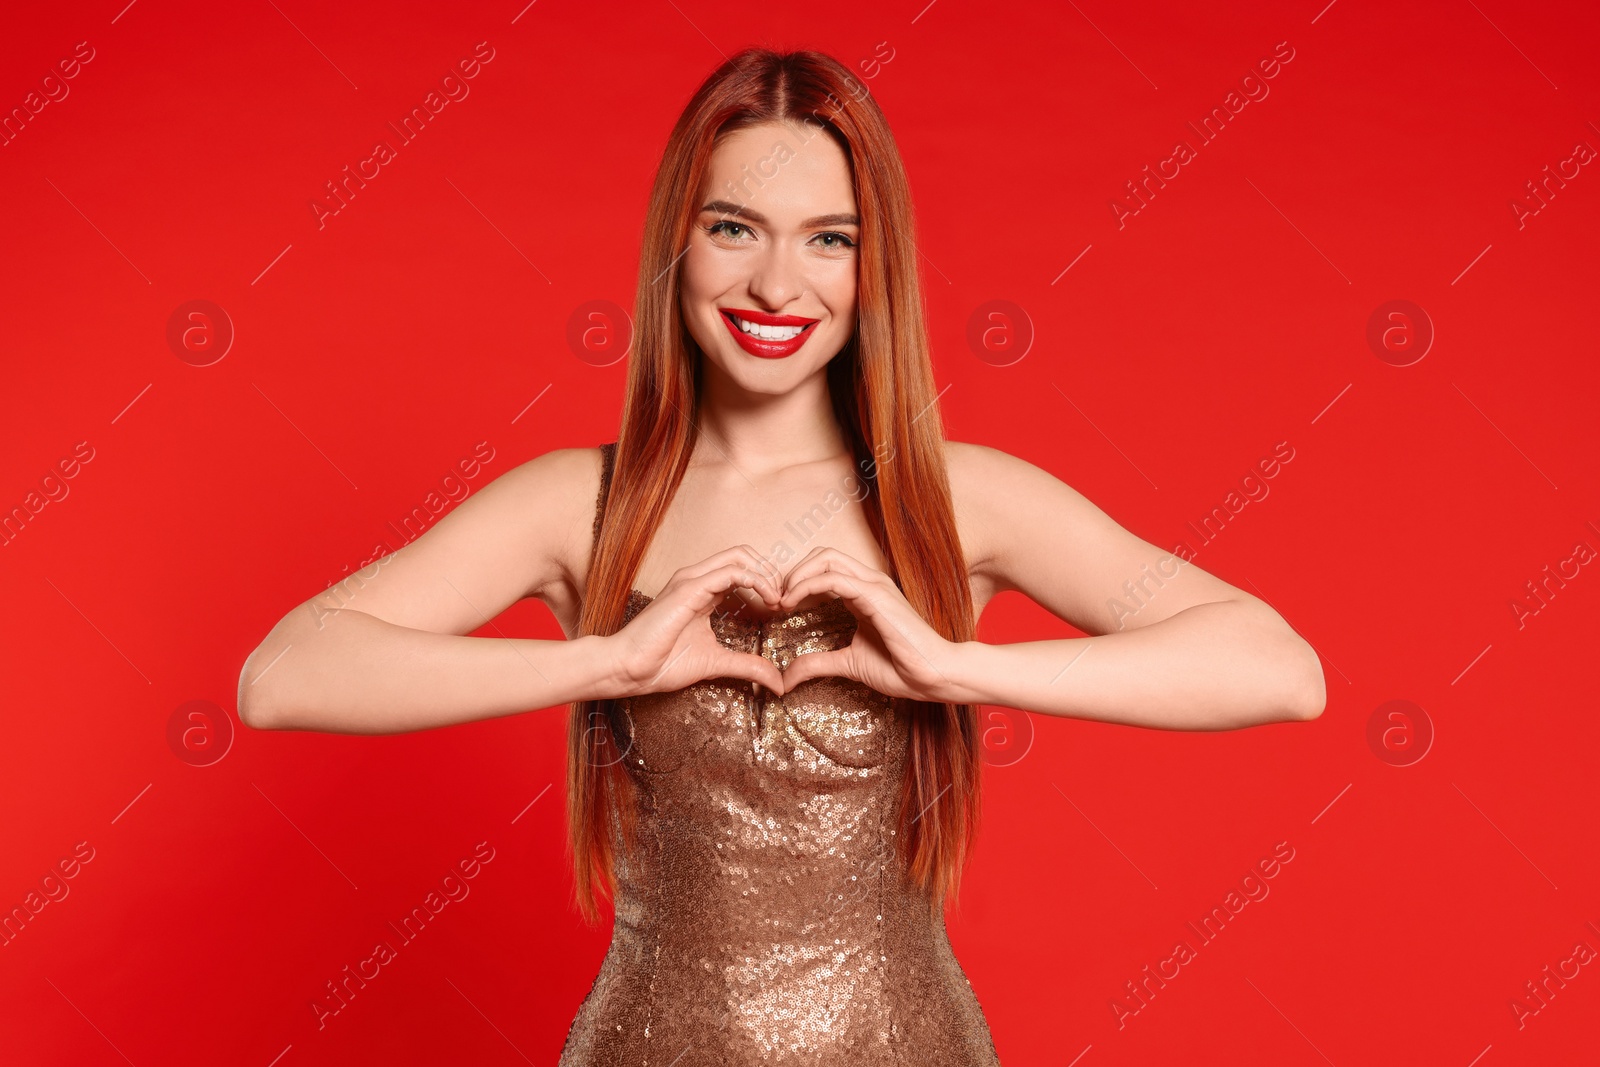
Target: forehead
x: 786, y: 172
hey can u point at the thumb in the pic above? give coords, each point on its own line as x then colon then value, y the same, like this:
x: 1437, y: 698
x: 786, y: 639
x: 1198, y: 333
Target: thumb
x: 814, y: 665
x: 752, y: 668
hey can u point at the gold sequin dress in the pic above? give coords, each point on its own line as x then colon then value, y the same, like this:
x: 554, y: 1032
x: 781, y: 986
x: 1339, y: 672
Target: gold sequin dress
x: 768, y: 919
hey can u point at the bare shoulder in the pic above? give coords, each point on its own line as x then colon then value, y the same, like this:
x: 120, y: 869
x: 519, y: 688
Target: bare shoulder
x: 558, y: 491
x: 514, y: 538
x: 1033, y: 533
x: 984, y: 483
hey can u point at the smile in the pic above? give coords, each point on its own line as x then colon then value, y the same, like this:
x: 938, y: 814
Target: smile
x: 767, y: 336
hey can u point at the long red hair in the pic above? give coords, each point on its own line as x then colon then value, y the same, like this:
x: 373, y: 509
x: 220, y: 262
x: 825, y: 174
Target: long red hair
x: 884, y: 399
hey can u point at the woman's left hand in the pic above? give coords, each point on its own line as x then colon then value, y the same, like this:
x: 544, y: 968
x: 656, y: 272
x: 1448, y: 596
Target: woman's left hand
x: 893, y: 651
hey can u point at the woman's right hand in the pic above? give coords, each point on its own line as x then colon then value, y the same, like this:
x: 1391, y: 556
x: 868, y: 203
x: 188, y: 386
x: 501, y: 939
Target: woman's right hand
x: 670, y: 645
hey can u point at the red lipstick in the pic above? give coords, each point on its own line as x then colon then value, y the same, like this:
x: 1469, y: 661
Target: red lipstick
x: 760, y: 347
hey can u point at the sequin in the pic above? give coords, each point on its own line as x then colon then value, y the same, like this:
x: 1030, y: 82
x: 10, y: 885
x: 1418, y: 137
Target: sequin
x: 767, y: 918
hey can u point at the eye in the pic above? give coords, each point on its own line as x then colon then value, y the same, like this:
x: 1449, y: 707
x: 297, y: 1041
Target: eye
x: 847, y: 242
x: 724, y: 226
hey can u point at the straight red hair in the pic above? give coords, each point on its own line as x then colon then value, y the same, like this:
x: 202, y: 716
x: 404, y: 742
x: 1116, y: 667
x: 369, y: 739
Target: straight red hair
x: 885, y: 401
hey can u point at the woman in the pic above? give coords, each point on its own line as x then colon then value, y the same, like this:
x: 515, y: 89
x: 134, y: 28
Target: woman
x: 774, y: 759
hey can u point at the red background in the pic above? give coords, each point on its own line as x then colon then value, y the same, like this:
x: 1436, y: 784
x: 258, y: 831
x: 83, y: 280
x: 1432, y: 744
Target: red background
x: 374, y: 353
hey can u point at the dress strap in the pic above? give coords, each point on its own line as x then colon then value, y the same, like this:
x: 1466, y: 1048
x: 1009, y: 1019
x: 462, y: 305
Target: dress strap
x: 608, y: 454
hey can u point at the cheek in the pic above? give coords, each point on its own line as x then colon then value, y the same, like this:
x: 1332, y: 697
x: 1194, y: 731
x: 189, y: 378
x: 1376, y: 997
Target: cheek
x: 706, y: 279
x: 697, y: 288
x: 842, y: 306
x: 837, y: 289
x: 692, y: 280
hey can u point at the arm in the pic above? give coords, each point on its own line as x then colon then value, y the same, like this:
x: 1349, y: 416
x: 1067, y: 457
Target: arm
x: 1171, y: 646
x: 384, y: 651
x: 1215, y: 666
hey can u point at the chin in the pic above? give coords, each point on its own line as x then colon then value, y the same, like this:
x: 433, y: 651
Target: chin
x: 767, y: 376
x: 767, y: 381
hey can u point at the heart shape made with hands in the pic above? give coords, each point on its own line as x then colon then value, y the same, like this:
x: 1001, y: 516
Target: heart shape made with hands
x: 750, y: 602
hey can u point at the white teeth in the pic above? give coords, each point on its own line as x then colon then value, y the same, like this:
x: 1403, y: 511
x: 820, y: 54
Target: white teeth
x: 767, y: 333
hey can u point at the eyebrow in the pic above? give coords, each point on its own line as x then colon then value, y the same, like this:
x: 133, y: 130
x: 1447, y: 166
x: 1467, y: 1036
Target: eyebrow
x: 725, y: 207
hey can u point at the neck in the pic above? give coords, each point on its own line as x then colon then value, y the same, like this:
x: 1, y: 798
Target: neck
x: 762, y: 433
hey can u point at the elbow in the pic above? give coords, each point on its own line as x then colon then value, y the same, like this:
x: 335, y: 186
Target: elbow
x: 1311, y: 690
x: 1293, y: 688
x: 253, y: 703
x: 1309, y: 707
x: 251, y: 714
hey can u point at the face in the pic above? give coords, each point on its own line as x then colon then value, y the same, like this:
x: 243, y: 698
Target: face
x: 773, y: 249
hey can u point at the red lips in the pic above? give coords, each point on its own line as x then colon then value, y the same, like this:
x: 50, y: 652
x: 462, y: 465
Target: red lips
x: 759, y: 347
x: 763, y: 319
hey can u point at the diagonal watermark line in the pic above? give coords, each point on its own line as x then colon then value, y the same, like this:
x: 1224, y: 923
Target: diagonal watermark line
x: 1469, y: 666
x: 1301, y: 232
x: 101, y: 232
x: 302, y: 433
x: 488, y: 1020
x: 669, y: 266
x: 1290, y: 1021
x: 1069, y: 266
x: 698, y: 30
x: 490, y: 623
x: 1113, y: 44
x: 274, y: 263
x: 90, y: 1021
x: 269, y: 666
x: 934, y: 801
x: 930, y: 403
x: 132, y: 402
x: 1102, y: 833
x: 302, y: 833
x: 1513, y: 44
x: 499, y: 231
x: 1087, y: 645
x: 99, y: 631
x: 1331, y: 803
x: 1109, y: 441
x: 531, y: 803
x: 1502, y: 433
x: 131, y: 803
x: 1332, y: 402
x: 1469, y: 266
x: 931, y: 263
x: 530, y: 403
x: 1307, y: 640
x: 1502, y: 833
x: 313, y: 44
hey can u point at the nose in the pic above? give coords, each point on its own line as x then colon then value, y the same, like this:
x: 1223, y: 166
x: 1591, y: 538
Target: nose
x: 778, y: 279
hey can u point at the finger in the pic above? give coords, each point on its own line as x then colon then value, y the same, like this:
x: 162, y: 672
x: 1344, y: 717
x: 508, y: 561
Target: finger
x: 708, y: 591
x: 825, y: 561
x: 831, y: 664
x: 905, y: 635
x: 771, y: 593
x: 803, y: 559
x: 809, y: 561
x: 837, y: 583
x: 759, y: 563
x: 766, y: 565
x: 737, y: 554
x: 751, y: 668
